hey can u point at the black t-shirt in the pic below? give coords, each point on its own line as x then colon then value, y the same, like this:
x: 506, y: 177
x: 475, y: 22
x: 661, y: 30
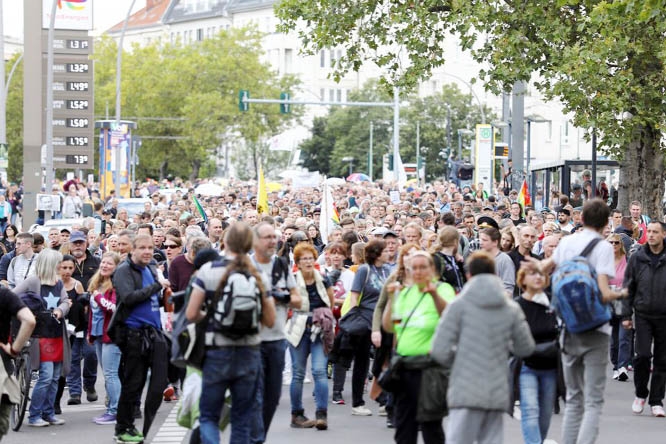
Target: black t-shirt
x: 10, y: 304
x: 313, y: 295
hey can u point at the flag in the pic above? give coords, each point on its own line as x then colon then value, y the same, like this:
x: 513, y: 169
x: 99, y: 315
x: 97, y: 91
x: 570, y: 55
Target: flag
x: 200, y: 209
x: 524, y: 198
x: 329, y: 216
x: 262, y: 194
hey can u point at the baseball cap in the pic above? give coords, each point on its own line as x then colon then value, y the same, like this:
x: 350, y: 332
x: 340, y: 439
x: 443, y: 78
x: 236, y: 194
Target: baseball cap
x: 389, y: 233
x: 77, y: 236
x: 379, y: 231
x: 487, y: 222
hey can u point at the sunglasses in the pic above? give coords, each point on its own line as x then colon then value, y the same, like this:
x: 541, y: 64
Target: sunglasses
x: 614, y: 242
x: 171, y: 246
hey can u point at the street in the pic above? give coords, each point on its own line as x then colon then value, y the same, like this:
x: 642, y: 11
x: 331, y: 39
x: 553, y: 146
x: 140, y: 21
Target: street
x: 618, y: 425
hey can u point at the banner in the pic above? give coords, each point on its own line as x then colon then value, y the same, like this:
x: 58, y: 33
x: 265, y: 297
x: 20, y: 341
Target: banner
x: 484, y: 163
x: 262, y: 194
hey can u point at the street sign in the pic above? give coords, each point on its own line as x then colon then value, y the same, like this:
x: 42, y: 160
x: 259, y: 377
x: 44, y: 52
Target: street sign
x: 242, y: 95
x: 285, y: 108
x: 73, y: 99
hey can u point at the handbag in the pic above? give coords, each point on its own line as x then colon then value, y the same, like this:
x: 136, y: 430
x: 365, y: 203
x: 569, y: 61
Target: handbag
x: 355, y: 323
x: 546, y: 350
x: 389, y: 380
x: 432, y: 405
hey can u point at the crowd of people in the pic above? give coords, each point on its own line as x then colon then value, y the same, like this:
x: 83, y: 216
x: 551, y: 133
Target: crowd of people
x: 408, y: 290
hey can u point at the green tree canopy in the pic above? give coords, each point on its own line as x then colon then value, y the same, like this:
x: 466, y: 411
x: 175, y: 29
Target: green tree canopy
x: 603, y: 60
x: 345, y: 131
x: 196, y: 87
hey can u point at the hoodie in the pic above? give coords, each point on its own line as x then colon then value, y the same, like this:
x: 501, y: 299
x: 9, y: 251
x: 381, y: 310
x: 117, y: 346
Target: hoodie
x: 474, y: 338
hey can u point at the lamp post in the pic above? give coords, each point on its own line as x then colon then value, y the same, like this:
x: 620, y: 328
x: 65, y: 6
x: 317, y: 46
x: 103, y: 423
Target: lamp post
x: 372, y: 128
x: 351, y: 163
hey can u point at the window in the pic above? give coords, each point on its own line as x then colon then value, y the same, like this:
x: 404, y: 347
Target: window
x: 565, y: 133
x: 322, y: 94
x: 339, y: 95
x: 200, y: 34
x: 172, y: 37
x: 288, y: 60
x: 322, y: 59
x: 549, y: 131
x: 332, y: 58
x: 331, y: 95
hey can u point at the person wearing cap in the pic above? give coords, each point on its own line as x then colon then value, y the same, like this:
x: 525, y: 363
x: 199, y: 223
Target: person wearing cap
x: 85, y: 266
x: 577, y: 199
x: 564, y: 220
x: 391, y: 250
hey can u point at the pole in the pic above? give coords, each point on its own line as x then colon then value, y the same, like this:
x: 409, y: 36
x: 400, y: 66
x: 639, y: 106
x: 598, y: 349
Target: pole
x: 118, y: 76
x: 459, y: 145
x: 49, y: 101
x: 396, y: 133
x: 594, y: 164
x: 370, y: 154
x: 418, y: 153
x: 3, y: 91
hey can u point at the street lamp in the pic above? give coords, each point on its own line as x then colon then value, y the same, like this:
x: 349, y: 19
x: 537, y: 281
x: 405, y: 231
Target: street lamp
x: 351, y: 163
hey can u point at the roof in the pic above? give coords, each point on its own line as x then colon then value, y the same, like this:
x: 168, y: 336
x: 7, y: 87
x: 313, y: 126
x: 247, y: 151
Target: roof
x: 148, y: 17
x: 179, y: 12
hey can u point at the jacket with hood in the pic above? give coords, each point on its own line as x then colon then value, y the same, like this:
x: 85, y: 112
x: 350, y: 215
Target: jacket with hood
x: 474, y: 338
x: 646, y: 284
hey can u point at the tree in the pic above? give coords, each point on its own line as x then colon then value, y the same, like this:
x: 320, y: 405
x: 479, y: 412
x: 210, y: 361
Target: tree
x: 345, y: 131
x: 603, y: 60
x: 195, y: 87
x: 15, y: 120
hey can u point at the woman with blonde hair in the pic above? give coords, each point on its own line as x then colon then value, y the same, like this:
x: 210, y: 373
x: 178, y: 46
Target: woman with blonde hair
x: 102, y: 307
x: 50, y: 354
x: 449, y: 264
x: 621, y: 339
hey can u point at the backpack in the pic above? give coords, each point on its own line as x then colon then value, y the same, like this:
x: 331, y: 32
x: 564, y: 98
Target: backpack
x: 236, y: 308
x: 280, y: 269
x: 576, y: 295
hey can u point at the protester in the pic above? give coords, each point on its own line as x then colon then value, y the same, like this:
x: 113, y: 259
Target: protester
x: 645, y: 279
x: 137, y: 330
x: 306, y: 339
x: 473, y: 338
x: 621, y: 338
x: 102, y: 306
x: 232, y: 361
x: 538, y: 373
x: 50, y: 354
x: 422, y: 303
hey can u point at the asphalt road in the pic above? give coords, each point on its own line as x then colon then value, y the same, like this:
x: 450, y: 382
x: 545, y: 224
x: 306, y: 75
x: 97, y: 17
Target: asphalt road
x: 618, y: 425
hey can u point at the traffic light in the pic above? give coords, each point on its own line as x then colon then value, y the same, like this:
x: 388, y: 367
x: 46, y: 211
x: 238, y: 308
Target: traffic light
x: 390, y: 162
x: 243, y: 94
x: 285, y: 108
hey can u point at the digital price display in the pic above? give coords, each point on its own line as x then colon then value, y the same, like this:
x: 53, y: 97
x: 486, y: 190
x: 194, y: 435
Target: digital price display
x: 76, y: 141
x: 76, y: 159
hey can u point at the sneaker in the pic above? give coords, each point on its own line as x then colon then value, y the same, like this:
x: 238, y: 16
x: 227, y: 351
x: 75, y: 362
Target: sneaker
x: 91, y: 394
x: 307, y: 380
x: 132, y: 436
x: 658, y: 411
x: 623, y: 374
x: 337, y: 399
x: 638, y: 405
x: 39, y: 422
x: 382, y: 410
x: 616, y: 374
x: 105, y: 419
x: 361, y: 410
x: 53, y: 420
x: 57, y: 409
x: 74, y: 400
x: 168, y: 394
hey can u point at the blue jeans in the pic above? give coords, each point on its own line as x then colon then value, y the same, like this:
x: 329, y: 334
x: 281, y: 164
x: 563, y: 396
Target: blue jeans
x: 270, y: 388
x: 299, y: 360
x: 537, y: 398
x: 110, y: 363
x: 620, y: 344
x: 237, y: 369
x: 43, y: 395
x: 81, y: 349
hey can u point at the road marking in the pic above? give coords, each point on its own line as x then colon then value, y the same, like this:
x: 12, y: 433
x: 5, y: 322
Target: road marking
x: 170, y: 431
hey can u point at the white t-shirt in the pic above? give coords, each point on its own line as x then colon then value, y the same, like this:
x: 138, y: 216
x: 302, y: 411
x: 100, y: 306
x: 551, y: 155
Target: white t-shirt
x: 601, y: 257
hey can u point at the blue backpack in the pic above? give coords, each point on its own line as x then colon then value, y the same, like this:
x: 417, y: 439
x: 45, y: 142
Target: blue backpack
x: 576, y: 295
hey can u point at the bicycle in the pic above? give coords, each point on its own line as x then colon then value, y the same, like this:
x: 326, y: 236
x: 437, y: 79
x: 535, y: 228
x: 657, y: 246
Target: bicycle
x: 22, y: 372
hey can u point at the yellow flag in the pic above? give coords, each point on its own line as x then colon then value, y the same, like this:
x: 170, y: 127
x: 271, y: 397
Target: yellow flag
x: 262, y: 194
